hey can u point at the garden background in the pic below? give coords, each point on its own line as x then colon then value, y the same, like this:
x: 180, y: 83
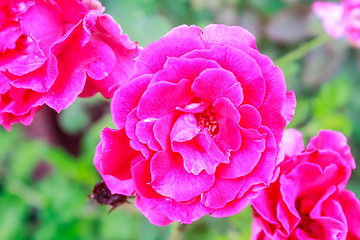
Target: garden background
x: 46, y: 170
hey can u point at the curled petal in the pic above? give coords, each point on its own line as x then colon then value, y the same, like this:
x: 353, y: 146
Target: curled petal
x: 215, y: 83
x: 238, y: 62
x: 126, y: 98
x: 236, y: 36
x: 163, y: 97
x: 246, y: 158
x: 173, y: 210
x: 200, y: 153
x: 222, y: 192
x: 170, y: 179
x: 114, y: 154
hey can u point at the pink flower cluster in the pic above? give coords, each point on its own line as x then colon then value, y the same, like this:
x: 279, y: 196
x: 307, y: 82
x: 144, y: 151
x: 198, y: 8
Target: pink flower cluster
x: 340, y: 20
x: 309, y: 199
x: 199, y: 125
x: 53, y: 51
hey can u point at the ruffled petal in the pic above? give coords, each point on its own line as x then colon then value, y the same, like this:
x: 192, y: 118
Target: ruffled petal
x: 272, y: 110
x: 235, y: 36
x: 215, y: 83
x: 246, y: 158
x: 222, y: 192
x: 334, y: 141
x: 200, y: 153
x: 351, y: 207
x: 176, y: 69
x: 114, y: 154
x: 154, y: 56
x: 27, y: 58
x: 244, y: 67
x: 250, y: 117
x: 163, y: 97
x: 126, y: 98
x: 292, y: 142
x: 154, y: 217
x: 170, y: 179
x: 43, y: 20
x: 173, y: 210
x: 145, y: 134
x: 140, y: 172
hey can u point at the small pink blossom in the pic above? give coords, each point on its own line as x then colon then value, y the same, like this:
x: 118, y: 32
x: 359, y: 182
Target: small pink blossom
x: 51, y: 52
x: 199, y: 125
x: 340, y: 20
x: 309, y: 200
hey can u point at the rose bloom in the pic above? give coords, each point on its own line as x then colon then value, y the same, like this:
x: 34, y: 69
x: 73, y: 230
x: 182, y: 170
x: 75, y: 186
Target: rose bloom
x: 309, y: 200
x: 199, y: 125
x: 51, y: 52
x: 340, y: 20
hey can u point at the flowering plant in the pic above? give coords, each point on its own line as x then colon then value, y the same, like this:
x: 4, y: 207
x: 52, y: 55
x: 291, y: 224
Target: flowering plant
x: 309, y: 200
x: 199, y: 125
x: 340, y: 20
x: 54, y: 51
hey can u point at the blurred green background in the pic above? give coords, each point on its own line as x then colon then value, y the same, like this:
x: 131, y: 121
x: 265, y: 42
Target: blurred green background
x: 46, y: 170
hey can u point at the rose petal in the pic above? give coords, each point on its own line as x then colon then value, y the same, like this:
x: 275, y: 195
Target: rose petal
x: 170, y: 179
x: 114, y: 154
x: 224, y: 108
x: 246, y: 158
x: 173, y: 210
x: 200, y: 153
x: 185, y: 128
x: 145, y: 134
x: 235, y: 36
x: 154, y: 217
x: 275, y: 96
x: 176, y: 69
x: 222, y: 192
x: 229, y: 138
x: 292, y: 142
x: 243, y: 66
x: 288, y: 110
x: 335, y: 141
x: 41, y: 79
x: 43, y: 20
x: 163, y: 97
x: 154, y: 56
x: 215, y: 83
x: 250, y: 117
x: 140, y: 172
x: 351, y: 207
x: 28, y: 57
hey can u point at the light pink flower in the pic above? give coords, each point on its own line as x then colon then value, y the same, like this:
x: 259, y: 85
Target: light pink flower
x: 53, y: 51
x: 340, y: 20
x: 309, y: 200
x: 199, y: 125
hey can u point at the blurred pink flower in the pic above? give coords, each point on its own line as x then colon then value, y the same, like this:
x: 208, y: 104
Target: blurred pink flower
x: 199, y: 125
x: 340, y: 20
x: 309, y: 200
x: 54, y: 51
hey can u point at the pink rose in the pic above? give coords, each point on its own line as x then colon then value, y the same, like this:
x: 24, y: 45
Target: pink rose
x: 54, y: 51
x: 340, y: 20
x: 309, y: 200
x: 199, y: 125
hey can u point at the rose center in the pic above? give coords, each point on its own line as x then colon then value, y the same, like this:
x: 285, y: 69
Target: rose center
x: 207, y: 120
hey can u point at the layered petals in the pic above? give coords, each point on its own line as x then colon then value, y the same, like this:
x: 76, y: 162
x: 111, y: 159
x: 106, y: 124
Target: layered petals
x: 60, y: 50
x: 308, y: 199
x: 204, y: 111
